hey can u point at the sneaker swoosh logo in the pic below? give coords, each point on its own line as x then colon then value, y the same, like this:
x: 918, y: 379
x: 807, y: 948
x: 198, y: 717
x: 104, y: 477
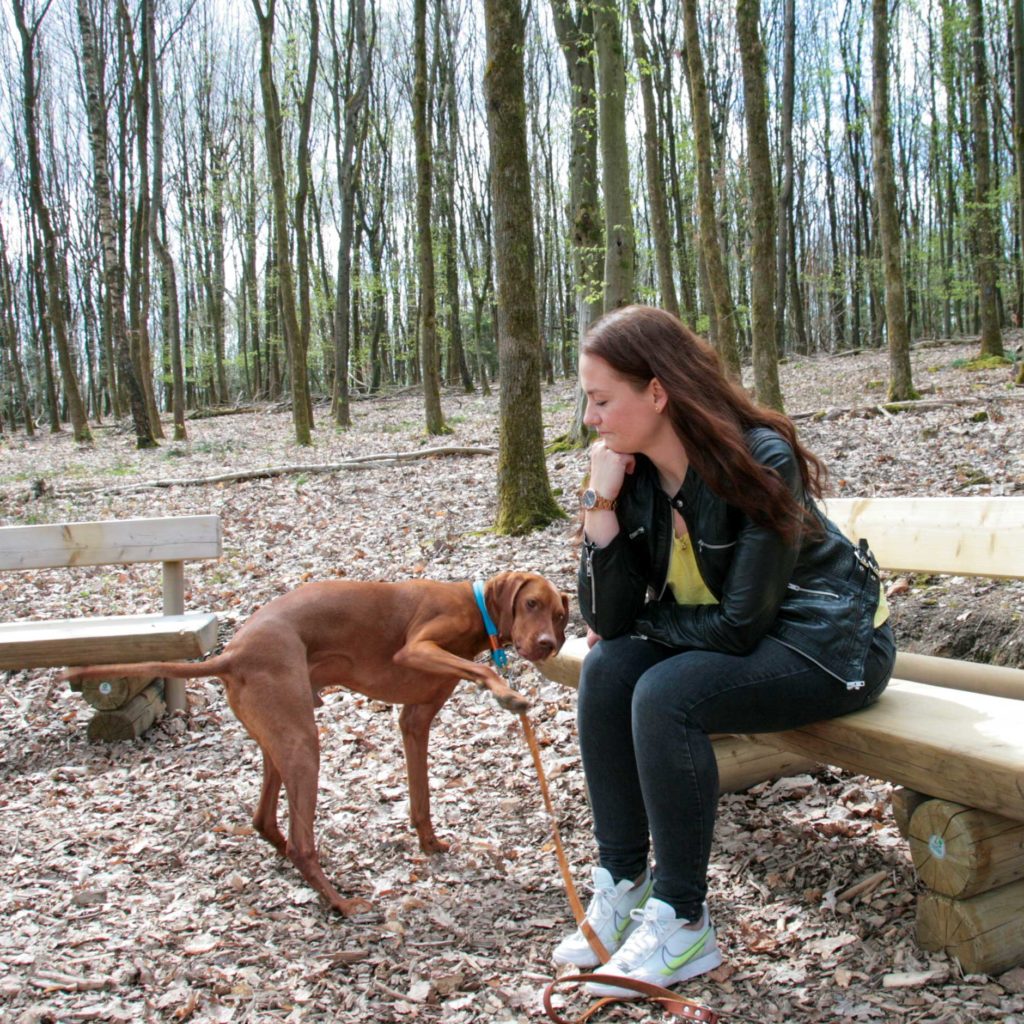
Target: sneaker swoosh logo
x: 625, y: 921
x: 673, y: 963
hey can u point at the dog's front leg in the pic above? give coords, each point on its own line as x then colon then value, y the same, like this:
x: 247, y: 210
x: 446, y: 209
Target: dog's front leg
x: 428, y: 656
x: 414, y: 722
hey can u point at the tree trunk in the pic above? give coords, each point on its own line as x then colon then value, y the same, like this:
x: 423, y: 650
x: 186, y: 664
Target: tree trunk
x: 285, y: 283
x: 113, y: 272
x: 711, y: 248
x: 785, y: 206
x: 170, y: 317
x: 762, y: 207
x: 576, y: 37
x: 1018, y: 135
x: 425, y: 245
x: 55, y: 272
x: 653, y: 166
x: 901, y: 387
x: 525, y: 501
x: 984, y: 195
x: 301, y: 225
x: 346, y: 133
x: 620, y: 251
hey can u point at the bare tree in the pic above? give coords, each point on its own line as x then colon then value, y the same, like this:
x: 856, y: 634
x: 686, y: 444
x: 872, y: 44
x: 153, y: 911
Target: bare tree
x: 113, y: 272
x: 724, y: 312
x: 653, y: 163
x: 425, y: 245
x: 56, y: 277
x: 984, y: 224
x: 285, y: 282
x: 525, y: 501
x: 900, y: 378
x: 762, y: 207
x: 620, y: 247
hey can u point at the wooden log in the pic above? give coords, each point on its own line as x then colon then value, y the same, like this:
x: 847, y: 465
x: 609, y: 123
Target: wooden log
x: 108, y: 694
x: 961, y: 851
x: 904, y: 802
x: 115, y: 638
x: 132, y: 720
x: 952, y: 744
x: 743, y: 762
x: 985, y: 933
x: 976, y: 536
x: 996, y: 680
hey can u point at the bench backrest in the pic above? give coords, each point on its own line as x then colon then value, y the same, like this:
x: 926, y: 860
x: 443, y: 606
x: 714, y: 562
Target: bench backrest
x: 971, y: 536
x: 174, y: 539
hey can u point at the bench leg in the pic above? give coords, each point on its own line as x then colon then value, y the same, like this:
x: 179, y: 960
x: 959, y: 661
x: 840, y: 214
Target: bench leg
x: 175, y: 696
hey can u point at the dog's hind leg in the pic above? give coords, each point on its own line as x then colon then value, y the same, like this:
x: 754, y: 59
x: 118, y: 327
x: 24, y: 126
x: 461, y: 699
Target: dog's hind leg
x: 275, y: 704
x: 264, y: 818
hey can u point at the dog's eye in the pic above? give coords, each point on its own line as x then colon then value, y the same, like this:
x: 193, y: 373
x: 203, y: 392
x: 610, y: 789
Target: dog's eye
x: 531, y: 603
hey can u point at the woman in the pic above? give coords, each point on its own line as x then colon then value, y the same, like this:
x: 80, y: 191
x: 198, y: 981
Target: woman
x: 720, y: 600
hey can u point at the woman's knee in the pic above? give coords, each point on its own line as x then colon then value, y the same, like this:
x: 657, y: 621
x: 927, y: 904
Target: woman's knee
x: 610, y: 671
x: 662, y: 695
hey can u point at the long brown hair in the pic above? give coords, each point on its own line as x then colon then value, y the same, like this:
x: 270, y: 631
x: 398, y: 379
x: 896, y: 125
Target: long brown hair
x: 709, y: 412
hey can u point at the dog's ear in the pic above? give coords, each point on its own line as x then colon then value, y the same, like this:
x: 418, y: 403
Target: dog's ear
x: 501, y: 592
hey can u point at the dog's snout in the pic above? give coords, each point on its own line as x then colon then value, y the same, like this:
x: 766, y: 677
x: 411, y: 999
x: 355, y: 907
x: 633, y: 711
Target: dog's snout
x: 546, y: 644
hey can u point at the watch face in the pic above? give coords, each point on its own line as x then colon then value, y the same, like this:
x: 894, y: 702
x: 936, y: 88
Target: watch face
x: 589, y: 499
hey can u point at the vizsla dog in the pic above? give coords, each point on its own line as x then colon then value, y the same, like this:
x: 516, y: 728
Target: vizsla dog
x: 404, y: 643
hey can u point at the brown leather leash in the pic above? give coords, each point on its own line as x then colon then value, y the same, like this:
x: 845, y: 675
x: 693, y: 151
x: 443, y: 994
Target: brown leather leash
x: 670, y: 1001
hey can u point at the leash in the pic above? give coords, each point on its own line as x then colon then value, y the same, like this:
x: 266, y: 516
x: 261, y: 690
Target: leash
x: 670, y: 1001
x: 500, y: 658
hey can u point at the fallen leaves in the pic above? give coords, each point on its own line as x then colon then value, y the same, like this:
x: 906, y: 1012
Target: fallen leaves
x: 133, y: 887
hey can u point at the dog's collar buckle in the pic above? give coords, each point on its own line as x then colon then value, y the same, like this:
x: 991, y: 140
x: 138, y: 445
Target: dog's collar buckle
x: 498, y: 654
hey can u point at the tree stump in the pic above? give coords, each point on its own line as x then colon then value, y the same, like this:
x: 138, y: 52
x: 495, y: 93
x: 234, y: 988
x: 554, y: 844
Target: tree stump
x: 961, y: 851
x: 985, y: 933
x: 132, y: 720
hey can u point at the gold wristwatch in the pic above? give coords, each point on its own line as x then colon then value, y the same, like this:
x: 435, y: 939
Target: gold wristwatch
x: 591, y: 501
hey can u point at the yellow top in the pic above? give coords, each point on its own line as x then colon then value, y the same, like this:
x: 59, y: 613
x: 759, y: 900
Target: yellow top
x: 684, y: 577
x: 688, y: 586
x: 882, y: 611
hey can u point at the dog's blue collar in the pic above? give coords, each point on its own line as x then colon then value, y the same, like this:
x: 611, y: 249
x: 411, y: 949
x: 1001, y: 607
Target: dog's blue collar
x: 498, y: 654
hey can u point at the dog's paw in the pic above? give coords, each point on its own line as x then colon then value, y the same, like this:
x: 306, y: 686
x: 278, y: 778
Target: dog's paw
x: 349, y: 908
x: 431, y: 844
x: 514, y: 702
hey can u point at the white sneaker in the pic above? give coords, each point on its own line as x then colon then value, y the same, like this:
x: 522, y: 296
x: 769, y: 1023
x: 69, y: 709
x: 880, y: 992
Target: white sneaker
x: 661, y: 951
x: 610, y: 914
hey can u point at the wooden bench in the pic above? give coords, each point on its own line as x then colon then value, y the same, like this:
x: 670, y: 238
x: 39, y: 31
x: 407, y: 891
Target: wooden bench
x: 951, y: 732
x: 125, y: 707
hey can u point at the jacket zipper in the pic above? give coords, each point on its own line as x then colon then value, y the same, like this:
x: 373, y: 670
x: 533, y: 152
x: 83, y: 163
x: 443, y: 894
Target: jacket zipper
x: 807, y: 590
x: 714, y: 547
x: 850, y: 684
x: 589, y: 548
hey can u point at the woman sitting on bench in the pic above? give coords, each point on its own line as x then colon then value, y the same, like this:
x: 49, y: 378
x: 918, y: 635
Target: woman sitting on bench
x: 720, y: 600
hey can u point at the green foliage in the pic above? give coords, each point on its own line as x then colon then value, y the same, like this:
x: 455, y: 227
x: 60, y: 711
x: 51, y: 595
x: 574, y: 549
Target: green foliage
x: 983, y: 363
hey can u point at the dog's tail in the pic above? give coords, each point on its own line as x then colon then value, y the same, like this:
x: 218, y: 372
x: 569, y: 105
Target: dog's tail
x: 157, y: 669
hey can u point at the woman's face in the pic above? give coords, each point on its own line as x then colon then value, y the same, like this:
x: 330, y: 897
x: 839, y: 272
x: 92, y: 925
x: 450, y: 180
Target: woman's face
x: 628, y: 420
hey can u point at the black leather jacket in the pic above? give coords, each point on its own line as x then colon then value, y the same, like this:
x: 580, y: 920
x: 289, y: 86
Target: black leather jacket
x: 817, y: 597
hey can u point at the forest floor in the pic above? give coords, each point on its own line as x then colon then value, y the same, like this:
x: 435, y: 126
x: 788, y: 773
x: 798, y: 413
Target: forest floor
x: 134, y: 888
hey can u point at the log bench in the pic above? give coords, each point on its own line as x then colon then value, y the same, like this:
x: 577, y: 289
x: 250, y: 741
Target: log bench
x: 125, y: 707
x: 949, y: 733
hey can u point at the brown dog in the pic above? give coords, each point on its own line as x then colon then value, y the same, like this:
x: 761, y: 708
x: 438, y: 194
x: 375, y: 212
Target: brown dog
x: 404, y: 643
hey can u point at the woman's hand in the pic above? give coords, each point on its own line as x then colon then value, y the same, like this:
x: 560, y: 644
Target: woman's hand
x: 608, y: 469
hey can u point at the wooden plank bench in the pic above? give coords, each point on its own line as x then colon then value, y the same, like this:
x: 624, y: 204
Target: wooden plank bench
x: 175, y: 634
x: 950, y: 731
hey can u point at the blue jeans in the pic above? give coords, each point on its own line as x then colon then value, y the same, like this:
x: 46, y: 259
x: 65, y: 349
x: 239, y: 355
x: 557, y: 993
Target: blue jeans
x: 645, y: 711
